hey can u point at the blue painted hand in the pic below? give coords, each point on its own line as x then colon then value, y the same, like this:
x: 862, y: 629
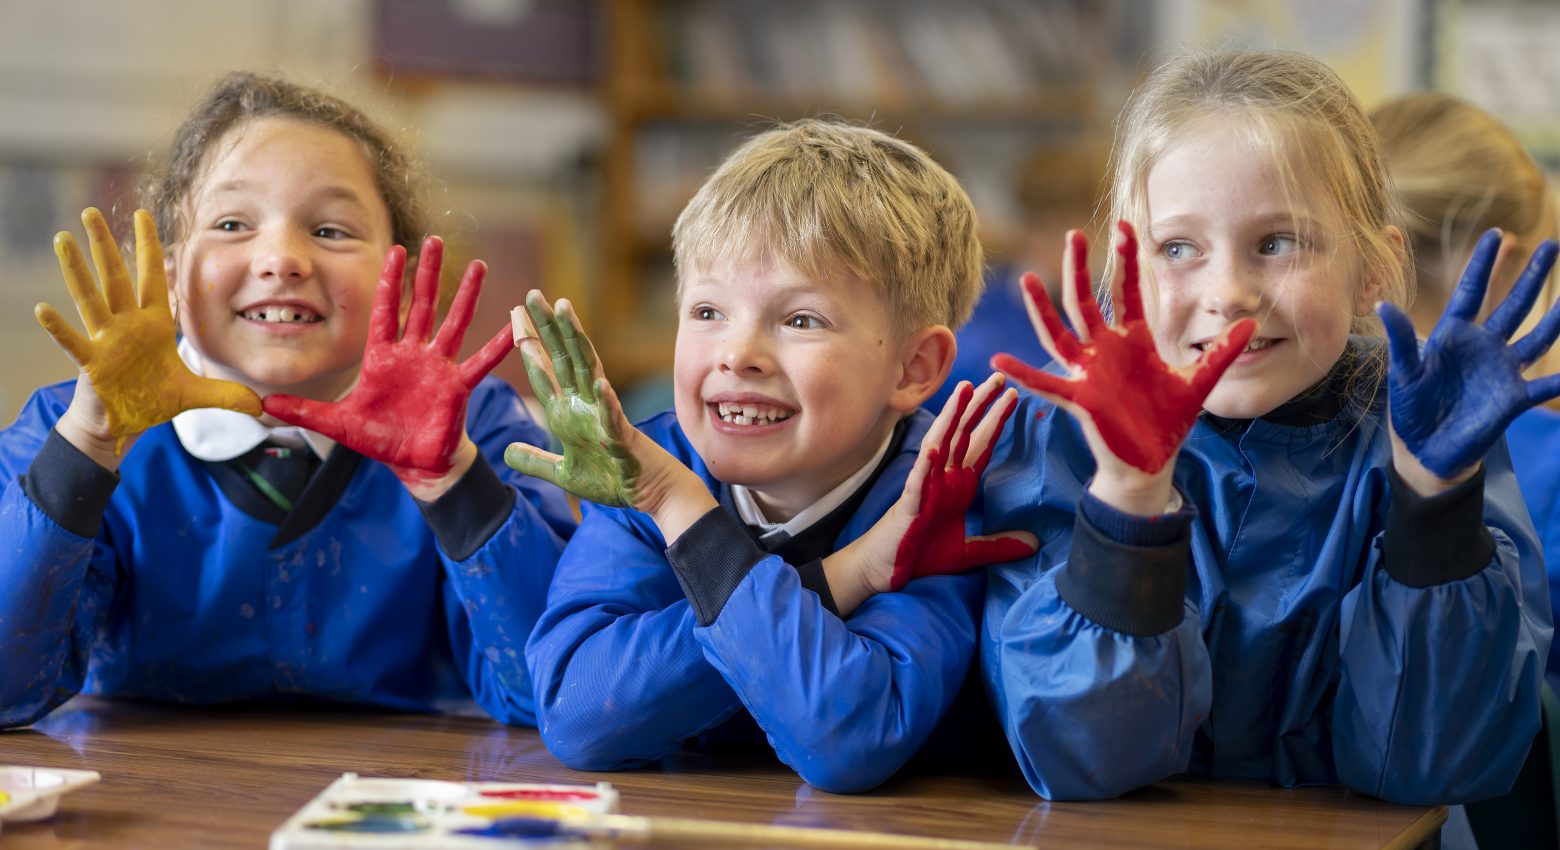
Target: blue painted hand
x: 1453, y: 400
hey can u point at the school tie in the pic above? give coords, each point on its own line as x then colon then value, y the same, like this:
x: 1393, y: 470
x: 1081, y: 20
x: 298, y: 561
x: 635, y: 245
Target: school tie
x: 279, y: 472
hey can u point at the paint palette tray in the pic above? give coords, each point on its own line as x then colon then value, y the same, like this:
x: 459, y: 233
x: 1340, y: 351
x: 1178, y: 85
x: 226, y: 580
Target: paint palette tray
x: 33, y: 793
x: 420, y: 814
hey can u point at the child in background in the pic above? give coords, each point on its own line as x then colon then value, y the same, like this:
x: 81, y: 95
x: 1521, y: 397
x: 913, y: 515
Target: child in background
x: 733, y: 568
x: 1459, y: 172
x: 224, y: 556
x: 1061, y: 185
x: 1316, y: 568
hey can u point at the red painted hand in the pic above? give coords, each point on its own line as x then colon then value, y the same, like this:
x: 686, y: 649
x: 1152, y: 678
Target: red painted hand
x: 942, y: 485
x: 1140, y: 407
x: 408, y: 409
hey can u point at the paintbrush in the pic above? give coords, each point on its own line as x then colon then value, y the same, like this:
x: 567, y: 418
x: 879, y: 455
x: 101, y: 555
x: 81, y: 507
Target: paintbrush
x: 686, y: 832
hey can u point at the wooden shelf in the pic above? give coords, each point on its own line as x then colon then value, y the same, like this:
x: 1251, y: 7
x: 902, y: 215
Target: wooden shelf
x: 659, y: 91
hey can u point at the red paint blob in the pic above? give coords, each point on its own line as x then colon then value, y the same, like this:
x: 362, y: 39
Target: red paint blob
x: 541, y: 794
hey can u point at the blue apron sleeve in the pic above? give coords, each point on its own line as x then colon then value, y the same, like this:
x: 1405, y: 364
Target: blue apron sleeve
x: 60, y: 576
x: 1438, y: 699
x: 498, y: 567
x: 620, y: 679
x: 845, y: 703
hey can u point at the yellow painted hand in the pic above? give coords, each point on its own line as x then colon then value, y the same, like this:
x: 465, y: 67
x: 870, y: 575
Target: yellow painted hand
x: 129, y: 353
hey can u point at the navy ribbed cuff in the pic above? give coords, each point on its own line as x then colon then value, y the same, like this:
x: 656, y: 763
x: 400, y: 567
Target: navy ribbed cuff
x: 71, y: 488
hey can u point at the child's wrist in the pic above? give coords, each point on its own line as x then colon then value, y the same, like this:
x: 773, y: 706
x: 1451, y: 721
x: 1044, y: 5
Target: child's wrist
x: 849, y: 573
x: 677, y: 503
x: 1421, y: 480
x: 1137, y: 494
x: 95, y: 443
x: 430, y: 487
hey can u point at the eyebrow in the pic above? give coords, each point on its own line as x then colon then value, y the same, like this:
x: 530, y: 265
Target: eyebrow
x: 1300, y: 221
x: 327, y: 192
x: 801, y: 285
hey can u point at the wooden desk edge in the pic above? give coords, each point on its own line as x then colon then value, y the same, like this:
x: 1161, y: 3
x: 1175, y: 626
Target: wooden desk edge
x: 1420, y: 832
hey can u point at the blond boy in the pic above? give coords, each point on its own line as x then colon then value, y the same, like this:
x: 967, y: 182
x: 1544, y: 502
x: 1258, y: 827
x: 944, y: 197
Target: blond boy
x: 742, y: 571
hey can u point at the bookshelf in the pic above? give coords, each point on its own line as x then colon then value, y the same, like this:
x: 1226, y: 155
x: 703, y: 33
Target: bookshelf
x: 686, y: 81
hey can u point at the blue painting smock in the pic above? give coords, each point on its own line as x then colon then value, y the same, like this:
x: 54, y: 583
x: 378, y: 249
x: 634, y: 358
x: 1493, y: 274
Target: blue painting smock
x: 152, y: 583
x: 642, y: 649
x: 1534, y: 440
x: 1304, y: 618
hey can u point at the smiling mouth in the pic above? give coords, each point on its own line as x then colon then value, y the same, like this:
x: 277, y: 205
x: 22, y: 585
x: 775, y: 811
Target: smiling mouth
x: 1255, y: 345
x: 282, y: 315
x: 740, y: 413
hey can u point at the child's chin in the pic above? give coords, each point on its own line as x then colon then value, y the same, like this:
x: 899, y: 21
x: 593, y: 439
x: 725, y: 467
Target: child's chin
x: 1234, y: 402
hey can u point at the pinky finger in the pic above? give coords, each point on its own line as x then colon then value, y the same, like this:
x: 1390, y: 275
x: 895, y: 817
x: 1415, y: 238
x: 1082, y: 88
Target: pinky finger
x: 65, y: 336
x: 1051, y: 386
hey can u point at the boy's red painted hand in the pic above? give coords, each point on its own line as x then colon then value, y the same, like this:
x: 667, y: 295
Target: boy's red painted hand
x: 943, y: 484
x: 408, y: 409
x: 1139, y: 408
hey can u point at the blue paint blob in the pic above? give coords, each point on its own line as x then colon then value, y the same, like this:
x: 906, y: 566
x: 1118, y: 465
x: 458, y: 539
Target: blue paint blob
x: 518, y: 828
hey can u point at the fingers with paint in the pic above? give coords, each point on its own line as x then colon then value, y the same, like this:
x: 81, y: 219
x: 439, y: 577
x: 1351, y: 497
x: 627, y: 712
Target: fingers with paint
x: 1452, y: 400
x: 583, y: 412
x: 943, y: 483
x: 1137, y: 408
x: 408, y: 409
x: 131, y: 374
x: 605, y: 459
x: 923, y: 534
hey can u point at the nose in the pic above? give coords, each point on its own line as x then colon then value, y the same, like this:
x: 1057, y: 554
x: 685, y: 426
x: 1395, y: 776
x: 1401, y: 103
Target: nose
x: 282, y: 254
x: 745, y: 351
x: 1234, y: 290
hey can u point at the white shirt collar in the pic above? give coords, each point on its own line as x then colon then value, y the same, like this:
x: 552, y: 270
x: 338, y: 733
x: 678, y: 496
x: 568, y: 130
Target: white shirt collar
x: 214, y: 434
x: 748, y: 509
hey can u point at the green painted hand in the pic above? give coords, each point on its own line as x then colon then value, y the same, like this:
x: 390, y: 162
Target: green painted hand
x: 129, y: 355
x: 583, y: 413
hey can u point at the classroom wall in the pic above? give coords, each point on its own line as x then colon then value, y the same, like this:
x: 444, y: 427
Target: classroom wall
x: 520, y: 116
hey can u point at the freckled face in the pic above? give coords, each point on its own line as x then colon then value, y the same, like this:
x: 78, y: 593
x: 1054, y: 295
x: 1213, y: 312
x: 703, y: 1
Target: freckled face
x: 274, y: 282
x: 1226, y: 240
x: 783, y: 383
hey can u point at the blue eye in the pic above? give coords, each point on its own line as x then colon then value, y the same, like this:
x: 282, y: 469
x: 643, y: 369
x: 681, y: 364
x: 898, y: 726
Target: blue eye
x: 805, y: 322
x: 228, y: 225
x: 330, y: 233
x: 1279, y: 245
x: 1179, y: 250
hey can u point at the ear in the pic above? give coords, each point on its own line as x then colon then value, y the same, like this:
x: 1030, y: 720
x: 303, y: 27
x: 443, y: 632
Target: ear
x: 171, y: 273
x: 1374, y: 289
x: 925, y: 360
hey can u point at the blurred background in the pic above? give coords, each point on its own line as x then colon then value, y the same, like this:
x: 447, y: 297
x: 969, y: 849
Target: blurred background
x: 563, y: 136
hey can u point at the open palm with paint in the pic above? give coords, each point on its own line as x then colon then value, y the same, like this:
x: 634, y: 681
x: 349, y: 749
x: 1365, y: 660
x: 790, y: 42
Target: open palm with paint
x: 1135, y: 409
x: 408, y: 409
x: 131, y: 374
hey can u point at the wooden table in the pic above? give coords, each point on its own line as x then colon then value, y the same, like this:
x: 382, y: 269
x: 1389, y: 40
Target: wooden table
x: 226, y: 777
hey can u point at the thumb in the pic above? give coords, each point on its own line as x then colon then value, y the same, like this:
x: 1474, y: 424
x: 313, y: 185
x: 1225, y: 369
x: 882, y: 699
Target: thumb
x: 1220, y: 356
x: 989, y: 549
x: 307, y: 413
x: 530, y: 460
x: 228, y: 395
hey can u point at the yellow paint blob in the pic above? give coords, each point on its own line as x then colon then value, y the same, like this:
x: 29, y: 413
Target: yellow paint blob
x: 533, y: 808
